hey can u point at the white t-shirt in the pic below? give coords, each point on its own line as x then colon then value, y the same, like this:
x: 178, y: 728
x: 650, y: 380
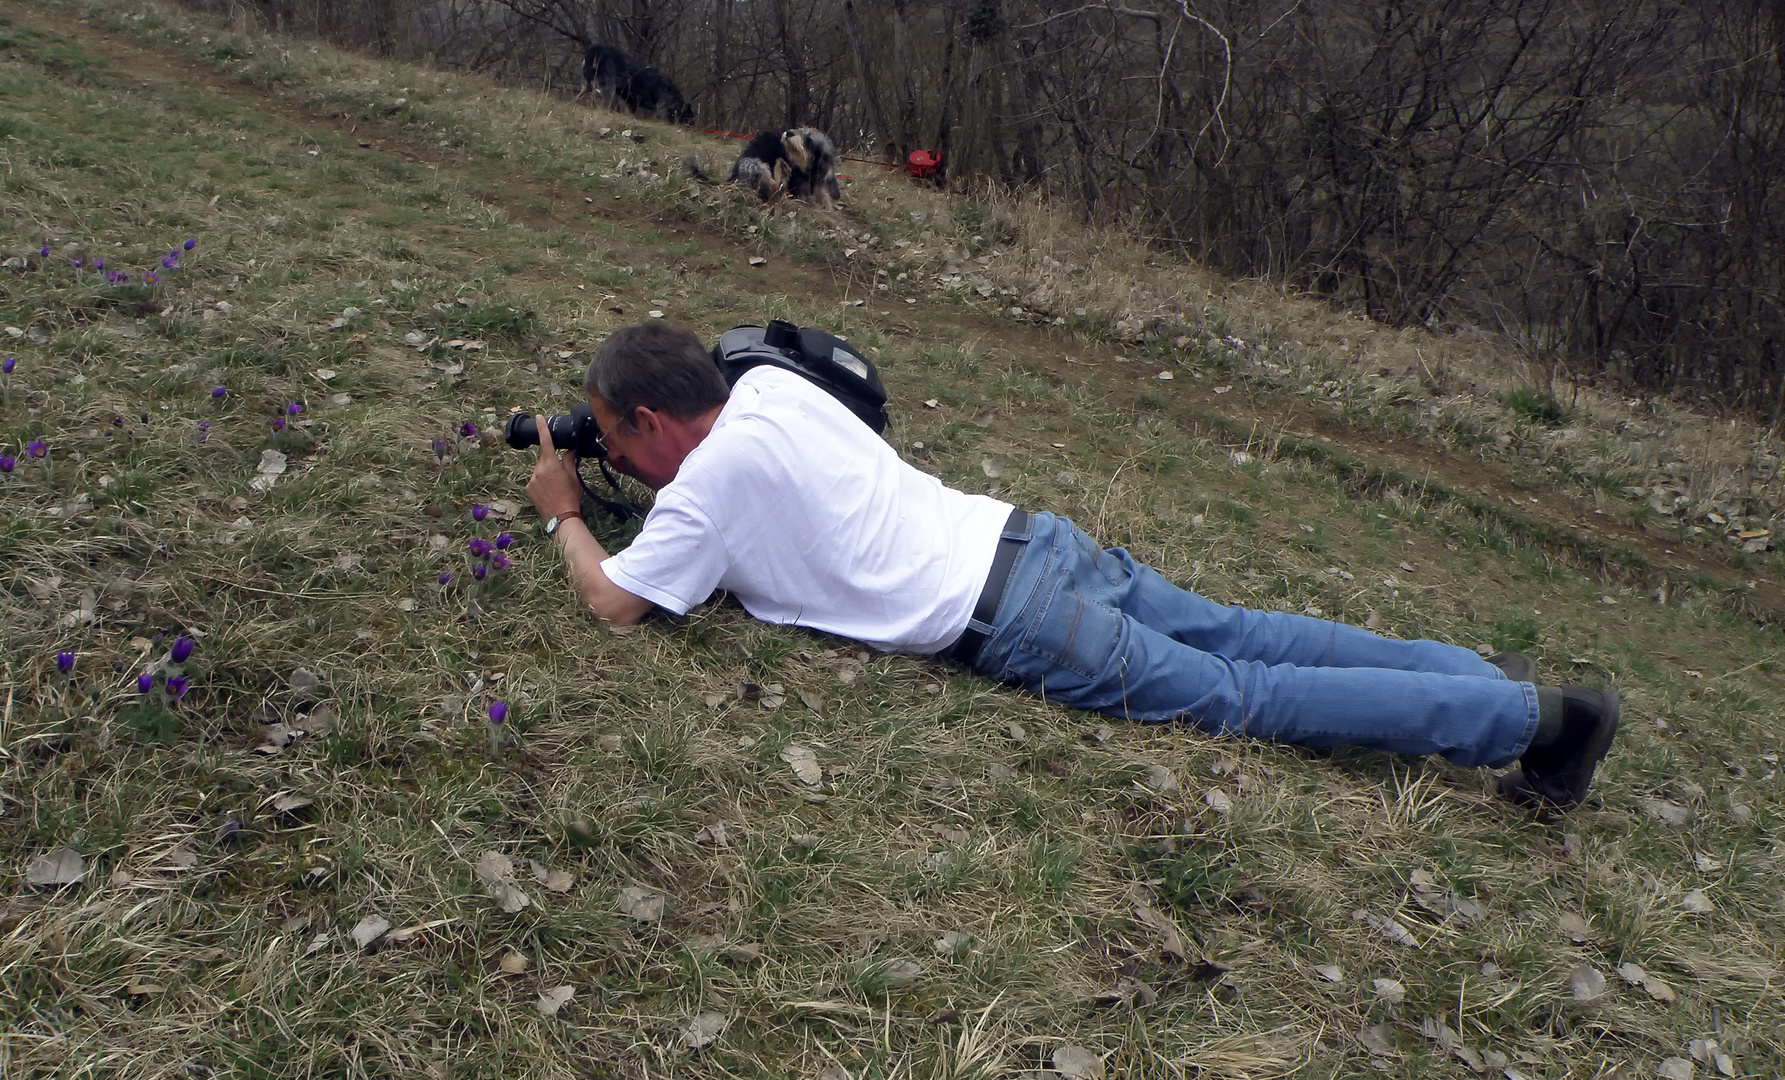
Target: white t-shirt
x: 806, y: 516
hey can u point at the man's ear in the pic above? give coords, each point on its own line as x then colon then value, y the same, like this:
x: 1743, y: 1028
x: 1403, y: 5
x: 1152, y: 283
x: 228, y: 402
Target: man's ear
x: 645, y: 420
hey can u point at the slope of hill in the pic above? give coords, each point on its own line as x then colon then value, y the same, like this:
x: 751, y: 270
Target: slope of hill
x: 306, y: 850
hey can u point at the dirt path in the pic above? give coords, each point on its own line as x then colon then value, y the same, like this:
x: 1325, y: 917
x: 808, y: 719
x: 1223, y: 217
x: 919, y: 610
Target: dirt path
x: 1588, y: 540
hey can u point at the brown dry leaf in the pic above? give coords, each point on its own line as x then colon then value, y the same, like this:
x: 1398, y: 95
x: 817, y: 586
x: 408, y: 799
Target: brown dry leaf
x: 1077, y: 1063
x: 1576, y: 928
x: 1160, y: 779
x: 1389, y: 990
x: 804, y: 764
x: 1586, y: 983
x: 137, y: 988
x: 703, y: 1030
x: 1428, y: 894
x: 493, y: 867
x: 1102, y: 733
x: 899, y: 974
x: 180, y: 858
x: 1332, y: 973
x: 1441, y: 1033
x: 1697, y: 902
x: 317, y: 943
x: 1663, y: 810
x: 951, y: 942
x: 1654, y: 987
x: 1218, y: 801
x: 509, y: 897
x: 1379, y: 1041
x: 410, y: 933
x: 286, y: 802
x: 55, y: 868
x: 368, y: 930
x: 550, y: 1001
x: 645, y: 905
x: 1224, y: 765
x: 814, y: 702
x: 713, y: 701
x: 1675, y: 1068
x: 1388, y: 928
x: 554, y: 880
x: 1171, y: 940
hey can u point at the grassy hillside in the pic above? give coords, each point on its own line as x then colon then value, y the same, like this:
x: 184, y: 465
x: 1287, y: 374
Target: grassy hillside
x: 273, y: 450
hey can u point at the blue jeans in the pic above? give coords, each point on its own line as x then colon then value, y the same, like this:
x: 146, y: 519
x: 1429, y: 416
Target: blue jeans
x: 1093, y: 629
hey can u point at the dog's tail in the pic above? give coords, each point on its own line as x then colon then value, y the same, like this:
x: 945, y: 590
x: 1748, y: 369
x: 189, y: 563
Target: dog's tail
x: 692, y: 164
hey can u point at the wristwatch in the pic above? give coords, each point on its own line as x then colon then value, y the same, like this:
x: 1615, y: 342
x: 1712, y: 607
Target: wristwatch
x: 551, y: 525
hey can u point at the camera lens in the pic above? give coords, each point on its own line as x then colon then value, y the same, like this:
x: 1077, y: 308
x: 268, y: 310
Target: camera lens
x: 520, y: 431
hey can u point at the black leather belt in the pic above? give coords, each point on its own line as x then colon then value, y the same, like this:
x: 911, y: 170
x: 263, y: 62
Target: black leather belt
x: 979, y: 624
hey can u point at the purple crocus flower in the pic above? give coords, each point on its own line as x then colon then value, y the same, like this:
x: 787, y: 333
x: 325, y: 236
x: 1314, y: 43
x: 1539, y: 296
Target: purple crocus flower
x: 503, y: 540
x: 190, y: 244
x: 218, y: 392
x: 168, y: 261
x: 444, y: 579
x: 292, y: 408
x: 204, y: 430
x: 145, y: 682
x: 498, y: 712
x: 479, y: 547
x: 181, y: 650
x: 44, y: 251
x: 65, y: 662
x: 76, y: 263
x: 176, y: 685
x: 8, y: 364
x: 500, y: 562
x: 36, y: 448
x: 468, y: 430
x: 99, y: 264
x: 7, y: 461
x: 150, y: 279
x: 440, y: 448
x: 479, y: 511
x: 479, y: 571
x: 279, y: 424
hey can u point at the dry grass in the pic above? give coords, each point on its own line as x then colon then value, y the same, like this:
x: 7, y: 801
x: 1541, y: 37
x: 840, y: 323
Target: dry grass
x: 1096, y: 882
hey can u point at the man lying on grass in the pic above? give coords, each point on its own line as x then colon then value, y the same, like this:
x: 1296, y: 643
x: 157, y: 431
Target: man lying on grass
x: 776, y: 493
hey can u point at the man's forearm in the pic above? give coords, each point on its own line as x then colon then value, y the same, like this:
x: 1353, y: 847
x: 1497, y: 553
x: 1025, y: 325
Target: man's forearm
x: 583, y: 555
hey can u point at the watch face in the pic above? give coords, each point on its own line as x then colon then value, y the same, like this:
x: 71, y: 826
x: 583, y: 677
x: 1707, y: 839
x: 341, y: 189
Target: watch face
x: 551, y: 526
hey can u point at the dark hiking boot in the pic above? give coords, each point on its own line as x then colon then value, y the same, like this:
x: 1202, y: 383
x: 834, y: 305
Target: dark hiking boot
x: 1517, y: 666
x: 1554, y: 778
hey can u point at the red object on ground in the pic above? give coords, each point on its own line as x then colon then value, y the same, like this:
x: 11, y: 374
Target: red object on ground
x: 922, y: 164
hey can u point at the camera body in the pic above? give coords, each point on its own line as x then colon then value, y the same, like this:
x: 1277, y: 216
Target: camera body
x: 575, y: 430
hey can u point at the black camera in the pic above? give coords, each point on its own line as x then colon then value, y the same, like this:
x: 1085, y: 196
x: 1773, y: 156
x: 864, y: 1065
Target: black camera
x: 575, y: 430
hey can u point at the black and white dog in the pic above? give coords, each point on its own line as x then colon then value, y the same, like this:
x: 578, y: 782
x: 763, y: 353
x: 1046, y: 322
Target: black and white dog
x: 639, y: 86
x: 802, y: 159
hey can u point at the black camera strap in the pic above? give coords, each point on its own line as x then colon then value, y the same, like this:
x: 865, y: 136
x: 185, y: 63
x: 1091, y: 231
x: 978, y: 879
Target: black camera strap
x: 618, y: 510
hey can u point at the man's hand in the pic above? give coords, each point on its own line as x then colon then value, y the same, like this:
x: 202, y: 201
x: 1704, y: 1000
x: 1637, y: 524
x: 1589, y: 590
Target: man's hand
x: 555, y: 488
x: 557, y: 492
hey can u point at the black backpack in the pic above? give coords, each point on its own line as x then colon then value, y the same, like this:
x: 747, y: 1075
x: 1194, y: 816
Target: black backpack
x: 823, y: 359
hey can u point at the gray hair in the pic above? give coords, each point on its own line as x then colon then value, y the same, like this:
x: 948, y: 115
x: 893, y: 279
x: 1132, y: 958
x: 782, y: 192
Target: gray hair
x: 658, y: 365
